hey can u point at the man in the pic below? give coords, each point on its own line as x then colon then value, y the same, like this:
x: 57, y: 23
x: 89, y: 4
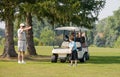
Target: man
x: 22, y: 42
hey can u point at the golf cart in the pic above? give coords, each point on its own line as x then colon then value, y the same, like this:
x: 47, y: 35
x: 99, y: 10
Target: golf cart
x: 61, y: 50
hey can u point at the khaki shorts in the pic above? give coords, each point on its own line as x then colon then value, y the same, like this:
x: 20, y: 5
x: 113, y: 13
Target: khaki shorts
x: 21, y: 45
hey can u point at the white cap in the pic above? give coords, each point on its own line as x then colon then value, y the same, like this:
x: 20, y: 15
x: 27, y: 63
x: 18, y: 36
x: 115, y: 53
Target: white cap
x: 22, y: 24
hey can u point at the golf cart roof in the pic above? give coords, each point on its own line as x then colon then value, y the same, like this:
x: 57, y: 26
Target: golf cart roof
x: 72, y: 28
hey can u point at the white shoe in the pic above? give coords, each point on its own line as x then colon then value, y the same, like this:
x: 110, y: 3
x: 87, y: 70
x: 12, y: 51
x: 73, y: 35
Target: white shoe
x: 23, y: 62
x: 19, y: 62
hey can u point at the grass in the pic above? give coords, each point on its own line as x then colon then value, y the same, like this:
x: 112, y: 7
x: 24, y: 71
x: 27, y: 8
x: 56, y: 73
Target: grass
x: 104, y: 62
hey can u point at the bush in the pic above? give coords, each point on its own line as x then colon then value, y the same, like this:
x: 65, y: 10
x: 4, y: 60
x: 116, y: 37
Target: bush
x: 117, y: 43
x: 15, y: 41
x: 36, y: 41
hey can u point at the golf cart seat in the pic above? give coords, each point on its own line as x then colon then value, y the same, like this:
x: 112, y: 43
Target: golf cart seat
x: 65, y: 44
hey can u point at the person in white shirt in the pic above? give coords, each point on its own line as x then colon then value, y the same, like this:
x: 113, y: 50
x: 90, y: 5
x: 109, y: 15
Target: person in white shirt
x: 22, y: 42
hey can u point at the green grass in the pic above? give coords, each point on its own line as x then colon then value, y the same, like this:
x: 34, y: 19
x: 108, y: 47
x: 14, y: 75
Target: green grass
x: 104, y: 62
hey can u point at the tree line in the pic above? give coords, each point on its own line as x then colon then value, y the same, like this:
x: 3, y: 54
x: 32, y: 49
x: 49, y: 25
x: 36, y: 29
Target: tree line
x: 107, y: 31
x: 57, y: 12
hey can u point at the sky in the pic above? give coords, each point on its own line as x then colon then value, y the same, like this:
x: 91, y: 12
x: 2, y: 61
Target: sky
x: 110, y: 7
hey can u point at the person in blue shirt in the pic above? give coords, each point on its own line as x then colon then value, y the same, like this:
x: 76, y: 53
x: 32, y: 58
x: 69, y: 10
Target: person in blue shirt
x: 73, y: 49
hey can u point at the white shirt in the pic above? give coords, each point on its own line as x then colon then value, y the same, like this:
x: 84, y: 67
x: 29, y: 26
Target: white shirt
x: 21, y: 35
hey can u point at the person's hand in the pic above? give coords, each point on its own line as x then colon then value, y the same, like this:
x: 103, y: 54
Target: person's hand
x: 27, y: 28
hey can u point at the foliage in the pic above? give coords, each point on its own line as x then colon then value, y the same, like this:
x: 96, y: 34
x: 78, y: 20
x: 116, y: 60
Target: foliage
x: 38, y: 25
x: 117, y: 43
x: 46, y: 36
x: 110, y: 28
x: 59, y: 12
x: 90, y: 37
x: 36, y: 41
x: 7, y: 10
x: 79, y: 12
x: 98, y: 41
x: 15, y: 41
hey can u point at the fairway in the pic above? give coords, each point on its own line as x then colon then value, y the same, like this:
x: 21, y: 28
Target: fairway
x: 104, y: 62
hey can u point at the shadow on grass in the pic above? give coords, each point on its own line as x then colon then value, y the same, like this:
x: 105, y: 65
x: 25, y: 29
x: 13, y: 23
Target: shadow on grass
x: 104, y: 59
x: 40, y: 58
x: 93, y: 59
x: 37, y: 58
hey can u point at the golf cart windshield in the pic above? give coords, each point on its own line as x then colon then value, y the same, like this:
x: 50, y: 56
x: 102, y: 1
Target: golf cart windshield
x: 62, y: 35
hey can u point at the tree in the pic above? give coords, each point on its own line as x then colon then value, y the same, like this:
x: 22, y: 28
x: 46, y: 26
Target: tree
x: 31, y: 48
x: 110, y: 28
x: 7, y: 9
x: 90, y: 36
x: 117, y: 43
x: 117, y: 22
x: 25, y: 8
x: 79, y: 12
x: 106, y: 28
x: 117, y: 27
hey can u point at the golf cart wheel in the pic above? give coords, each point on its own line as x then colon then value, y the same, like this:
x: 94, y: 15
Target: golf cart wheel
x: 83, y: 58
x: 63, y: 60
x: 54, y: 58
x: 87, y: 56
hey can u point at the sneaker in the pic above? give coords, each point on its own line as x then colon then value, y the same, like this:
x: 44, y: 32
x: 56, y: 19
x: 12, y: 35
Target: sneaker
x: 23, y: 62
x: 19, y: 62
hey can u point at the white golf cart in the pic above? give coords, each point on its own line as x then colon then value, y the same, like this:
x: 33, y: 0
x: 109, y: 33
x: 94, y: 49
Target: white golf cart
x: 61, y: 52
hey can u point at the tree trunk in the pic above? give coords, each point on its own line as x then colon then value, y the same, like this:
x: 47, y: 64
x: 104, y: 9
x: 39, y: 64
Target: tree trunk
x: 9, y: 50
x: 29, y: 35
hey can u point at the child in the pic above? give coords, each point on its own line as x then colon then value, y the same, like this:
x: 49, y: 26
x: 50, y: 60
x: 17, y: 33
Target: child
x: 73, y: 49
